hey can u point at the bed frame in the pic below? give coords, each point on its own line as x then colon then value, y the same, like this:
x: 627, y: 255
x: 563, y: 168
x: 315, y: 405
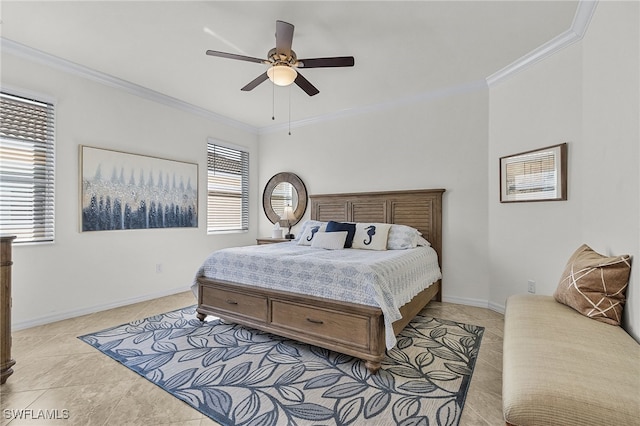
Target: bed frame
x: 348, y: 328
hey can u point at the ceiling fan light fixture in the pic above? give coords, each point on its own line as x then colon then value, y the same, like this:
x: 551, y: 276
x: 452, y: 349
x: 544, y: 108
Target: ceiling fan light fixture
x: 282, y: 75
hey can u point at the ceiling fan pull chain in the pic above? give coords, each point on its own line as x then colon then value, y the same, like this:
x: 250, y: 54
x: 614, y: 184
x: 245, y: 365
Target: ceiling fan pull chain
x: 289, y: 110
x: 273, y: 101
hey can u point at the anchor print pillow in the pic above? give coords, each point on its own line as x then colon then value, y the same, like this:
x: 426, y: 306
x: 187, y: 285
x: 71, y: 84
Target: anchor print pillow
x: 371, y: 236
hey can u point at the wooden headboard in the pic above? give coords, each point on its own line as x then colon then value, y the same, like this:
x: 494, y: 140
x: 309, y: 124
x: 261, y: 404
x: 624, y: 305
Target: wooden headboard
x: 420, y: 209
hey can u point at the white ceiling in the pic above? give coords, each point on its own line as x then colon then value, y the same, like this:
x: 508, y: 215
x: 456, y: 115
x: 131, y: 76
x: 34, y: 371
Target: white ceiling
x: 401, y: 49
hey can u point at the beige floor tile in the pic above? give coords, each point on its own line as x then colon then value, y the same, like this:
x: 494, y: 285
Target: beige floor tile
x: 470, y: 417
x: 14, y: 402
x: 147, y: 404
x: 76, y: 326
x: 184, y: 423
x: 34, y: 374
x: 56, y: 371
x: 485, y: 393
x: 25, y: 346
x: 206, y: 421
x: 491, y: 353
x: 84, y: 405
x: 114, y: 317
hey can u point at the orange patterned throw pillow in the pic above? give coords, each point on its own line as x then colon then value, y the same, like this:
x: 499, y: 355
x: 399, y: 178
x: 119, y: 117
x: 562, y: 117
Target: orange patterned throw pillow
x: 595, y: 285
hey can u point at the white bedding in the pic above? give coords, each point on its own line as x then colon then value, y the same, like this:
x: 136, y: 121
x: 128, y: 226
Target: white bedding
x: 386, y: 279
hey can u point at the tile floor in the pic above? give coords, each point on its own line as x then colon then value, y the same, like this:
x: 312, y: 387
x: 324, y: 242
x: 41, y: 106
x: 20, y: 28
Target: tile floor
x: 72, y: 381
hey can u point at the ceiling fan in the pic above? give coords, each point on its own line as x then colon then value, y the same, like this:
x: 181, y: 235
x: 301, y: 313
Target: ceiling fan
x: 284, y: 64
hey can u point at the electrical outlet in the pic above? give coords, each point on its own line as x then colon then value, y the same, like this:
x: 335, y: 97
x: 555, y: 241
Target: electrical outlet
x: 158, y: 268
x: 531, y: 286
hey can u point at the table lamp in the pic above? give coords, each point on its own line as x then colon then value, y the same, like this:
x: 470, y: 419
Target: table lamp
x: 288, y: 216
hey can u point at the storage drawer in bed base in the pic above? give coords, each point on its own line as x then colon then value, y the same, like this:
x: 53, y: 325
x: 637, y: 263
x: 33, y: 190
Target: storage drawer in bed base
x: 348, y: 328
x: 356, y: 330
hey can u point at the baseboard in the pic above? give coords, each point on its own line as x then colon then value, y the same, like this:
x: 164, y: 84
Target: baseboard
x: 497, y: 307
x: 34, y: 322
x: 479, y: 303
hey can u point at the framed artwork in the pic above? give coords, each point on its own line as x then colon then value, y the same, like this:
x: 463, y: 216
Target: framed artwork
x: 129, y: 191
x: 538, y: 175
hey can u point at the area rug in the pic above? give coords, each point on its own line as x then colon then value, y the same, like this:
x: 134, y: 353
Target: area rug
x: 241, y: 376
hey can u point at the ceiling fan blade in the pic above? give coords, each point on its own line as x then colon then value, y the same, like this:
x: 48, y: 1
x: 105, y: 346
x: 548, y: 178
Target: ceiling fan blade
x: 341, y: 61
x: 234, y: 56
x: 284, y: 38
x: 252, y: 85
x: 304, y: 84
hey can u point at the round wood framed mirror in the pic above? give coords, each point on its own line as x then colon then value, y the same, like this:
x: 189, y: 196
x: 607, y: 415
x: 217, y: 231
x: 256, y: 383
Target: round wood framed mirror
x: 284, y: 189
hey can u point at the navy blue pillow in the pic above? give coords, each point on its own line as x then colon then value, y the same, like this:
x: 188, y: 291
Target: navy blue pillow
x: 340, y: 226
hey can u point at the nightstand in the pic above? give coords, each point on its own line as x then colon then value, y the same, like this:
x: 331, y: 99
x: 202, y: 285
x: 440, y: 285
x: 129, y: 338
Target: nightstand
x: 267, y: 240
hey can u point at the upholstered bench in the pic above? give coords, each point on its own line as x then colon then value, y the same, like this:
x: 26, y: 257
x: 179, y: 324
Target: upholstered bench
x: 563, y: 368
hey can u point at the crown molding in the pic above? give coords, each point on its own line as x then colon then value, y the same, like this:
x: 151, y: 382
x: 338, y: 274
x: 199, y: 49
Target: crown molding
x: 29, y: 53
x: 26, y: 52
x: 581, y: 20
x: 583, y: 16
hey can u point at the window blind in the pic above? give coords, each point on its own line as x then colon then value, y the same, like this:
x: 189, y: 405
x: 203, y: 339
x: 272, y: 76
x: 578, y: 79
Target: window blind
x: 26, y: 169
x: 228, y: 188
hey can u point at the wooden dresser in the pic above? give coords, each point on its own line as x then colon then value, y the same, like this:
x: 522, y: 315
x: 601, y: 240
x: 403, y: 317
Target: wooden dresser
x: 6, y: 362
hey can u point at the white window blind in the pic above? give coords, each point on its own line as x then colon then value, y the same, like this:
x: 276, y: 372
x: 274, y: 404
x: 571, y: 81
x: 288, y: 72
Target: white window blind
x: 228, y: 188
x: 26, y: 169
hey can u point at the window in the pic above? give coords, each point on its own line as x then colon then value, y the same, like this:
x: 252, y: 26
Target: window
x: 26, y: 169
x: 227, y: 188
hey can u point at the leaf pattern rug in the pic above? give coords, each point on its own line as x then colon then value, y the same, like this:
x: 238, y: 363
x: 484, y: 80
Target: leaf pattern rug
x: 241, y: 376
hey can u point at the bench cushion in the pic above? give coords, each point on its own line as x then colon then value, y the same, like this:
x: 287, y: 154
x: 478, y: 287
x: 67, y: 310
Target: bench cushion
x: 561, y: 368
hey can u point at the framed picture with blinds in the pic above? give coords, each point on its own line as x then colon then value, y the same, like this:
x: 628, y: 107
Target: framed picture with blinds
x: 120, y: 190
x: 538, y: 175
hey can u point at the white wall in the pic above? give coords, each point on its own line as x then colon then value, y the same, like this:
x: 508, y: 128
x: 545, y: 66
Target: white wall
x: 611, y: 129
x: 533, y: 109
x: 437, y: 143
x: 84, y: 272
x: 586, y: 95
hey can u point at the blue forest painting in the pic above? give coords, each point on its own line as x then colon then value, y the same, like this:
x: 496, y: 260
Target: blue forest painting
x: 130, y: 191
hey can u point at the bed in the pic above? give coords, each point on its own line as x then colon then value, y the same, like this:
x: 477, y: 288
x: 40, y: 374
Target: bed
x: 346, y: 327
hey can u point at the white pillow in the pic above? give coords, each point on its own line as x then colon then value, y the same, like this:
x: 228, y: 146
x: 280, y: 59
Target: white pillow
x: 402, y: 237
x: 309, y: 232
x: 329, y: 240
x: 422, y: 242
x: 371, y: 236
